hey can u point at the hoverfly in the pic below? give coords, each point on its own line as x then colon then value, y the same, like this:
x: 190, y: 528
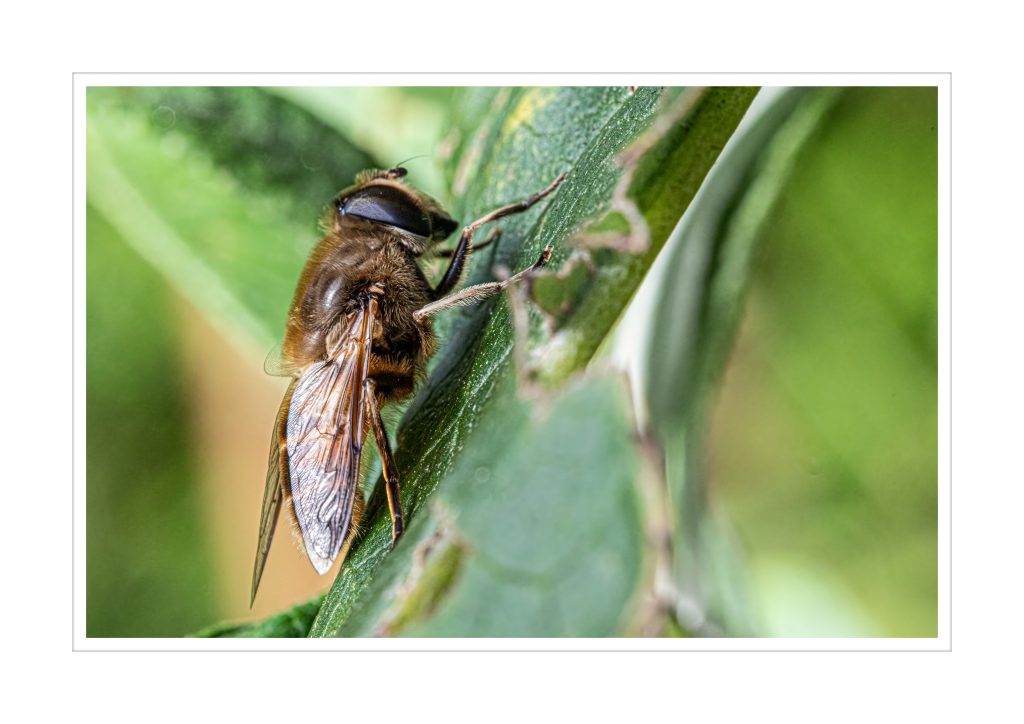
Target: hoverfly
x: 358, y: 336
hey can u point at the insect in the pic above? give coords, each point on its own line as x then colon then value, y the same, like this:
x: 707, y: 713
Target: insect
x: 358, y: 336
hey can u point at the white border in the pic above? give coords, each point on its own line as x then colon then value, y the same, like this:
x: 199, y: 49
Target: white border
x: 943, y: 642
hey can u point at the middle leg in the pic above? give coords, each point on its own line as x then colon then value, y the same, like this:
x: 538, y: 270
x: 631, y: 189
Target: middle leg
x: 476, y: 292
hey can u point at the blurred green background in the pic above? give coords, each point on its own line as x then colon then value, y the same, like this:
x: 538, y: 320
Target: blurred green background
x: 823, y: 447
x: 825, y: 439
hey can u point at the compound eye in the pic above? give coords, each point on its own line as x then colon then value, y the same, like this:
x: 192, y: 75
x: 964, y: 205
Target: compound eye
x: 386, y: 205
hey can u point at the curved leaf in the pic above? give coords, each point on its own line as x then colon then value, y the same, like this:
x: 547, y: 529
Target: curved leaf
x: 694, y: 321
x: 535, y: 532
x: 209, y: 186
x: 527, y: 137
x: 293, y: 623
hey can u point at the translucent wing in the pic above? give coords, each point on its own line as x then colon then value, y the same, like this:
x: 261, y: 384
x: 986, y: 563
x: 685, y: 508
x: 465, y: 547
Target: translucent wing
x: 325, y: 437
x: 273, y: 493
x: 273, y: 365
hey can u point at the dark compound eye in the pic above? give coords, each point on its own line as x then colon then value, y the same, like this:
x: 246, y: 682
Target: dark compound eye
x: 444, y: 226
x: 386, y: 205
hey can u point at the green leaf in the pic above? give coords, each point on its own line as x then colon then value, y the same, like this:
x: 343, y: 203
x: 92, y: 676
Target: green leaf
x: 145, y: 543
x: 265, y: 142
x: 293, y: 623
x: 535, y: 532
x: 825, y: 439
x: 398, y: 125
x: 695, y: 317
x: 220, y: 190
x: 524, y: 138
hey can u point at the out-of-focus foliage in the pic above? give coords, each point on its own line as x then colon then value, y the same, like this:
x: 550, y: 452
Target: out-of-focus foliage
x: 265, y: 143
x: 691, y: 333
x: 143, y: 512
x: 230, y: 239
x: 825, y: 447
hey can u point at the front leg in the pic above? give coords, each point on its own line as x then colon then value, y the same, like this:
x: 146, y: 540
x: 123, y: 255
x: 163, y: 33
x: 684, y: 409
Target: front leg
x: 465, y: 246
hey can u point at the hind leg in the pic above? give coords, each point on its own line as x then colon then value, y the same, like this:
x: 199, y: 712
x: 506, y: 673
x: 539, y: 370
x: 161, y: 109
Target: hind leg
x: 387, y: 458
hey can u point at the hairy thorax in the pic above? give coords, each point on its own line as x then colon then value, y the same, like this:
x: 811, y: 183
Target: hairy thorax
x: 340, y: 270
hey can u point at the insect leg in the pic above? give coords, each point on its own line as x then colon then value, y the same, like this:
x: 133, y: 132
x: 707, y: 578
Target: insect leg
x: 469, y: 295
x: 491, y: 238
x: 464, y: 247
x: 386, y: 457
